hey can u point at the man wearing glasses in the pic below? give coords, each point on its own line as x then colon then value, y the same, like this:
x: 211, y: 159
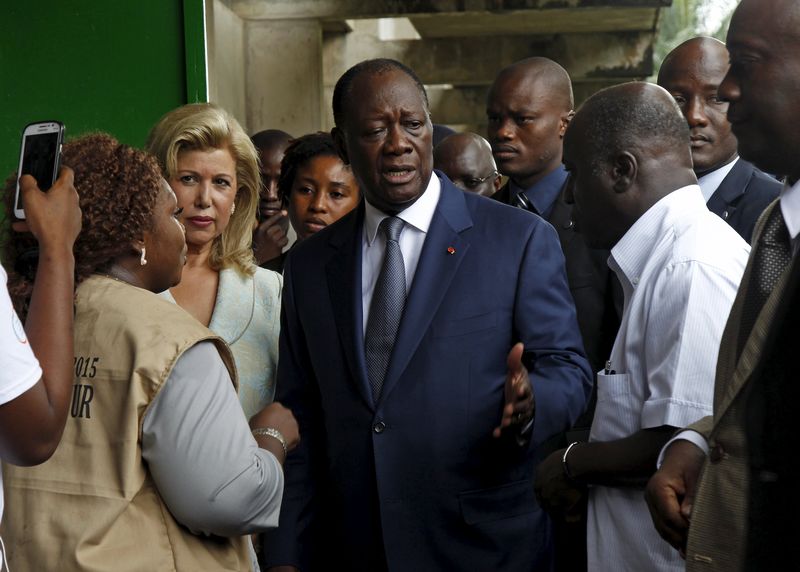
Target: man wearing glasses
x: 466, y: 159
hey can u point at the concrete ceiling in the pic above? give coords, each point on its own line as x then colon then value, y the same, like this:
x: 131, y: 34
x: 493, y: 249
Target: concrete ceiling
x: 532, y: 22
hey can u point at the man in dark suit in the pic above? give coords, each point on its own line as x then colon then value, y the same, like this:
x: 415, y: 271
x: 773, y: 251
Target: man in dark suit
x: 417, y: 451
x: 726, y: 492
x: 734, y: 189
x: 528, y: 110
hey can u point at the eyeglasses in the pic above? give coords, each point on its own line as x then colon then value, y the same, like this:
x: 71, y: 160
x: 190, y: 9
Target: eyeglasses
x: 475, y: 182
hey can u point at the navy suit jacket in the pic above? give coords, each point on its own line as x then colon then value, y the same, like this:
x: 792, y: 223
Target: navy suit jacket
x: 742, y: 196
x: 416, y: 481
x: 594, y: 287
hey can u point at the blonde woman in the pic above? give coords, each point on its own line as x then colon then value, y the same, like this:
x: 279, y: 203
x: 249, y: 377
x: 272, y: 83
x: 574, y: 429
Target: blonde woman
x: 211, y: 164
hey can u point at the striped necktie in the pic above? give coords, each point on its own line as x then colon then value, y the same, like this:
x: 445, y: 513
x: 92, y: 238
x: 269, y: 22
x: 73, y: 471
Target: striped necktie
x: 386, y: 309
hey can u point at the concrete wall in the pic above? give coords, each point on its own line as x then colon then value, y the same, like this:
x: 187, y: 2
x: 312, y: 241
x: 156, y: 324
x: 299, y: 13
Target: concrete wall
x: 459, y: 71
x: 292, y: 52
x: 284, y: 75
x: 226, y: 59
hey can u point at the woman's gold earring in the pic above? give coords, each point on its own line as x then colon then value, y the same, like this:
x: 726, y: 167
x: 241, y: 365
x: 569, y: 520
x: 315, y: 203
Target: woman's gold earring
x: 233, y: 208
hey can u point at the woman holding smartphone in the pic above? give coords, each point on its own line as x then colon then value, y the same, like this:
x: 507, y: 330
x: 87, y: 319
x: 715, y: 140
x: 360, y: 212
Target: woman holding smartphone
x: 157, y: 468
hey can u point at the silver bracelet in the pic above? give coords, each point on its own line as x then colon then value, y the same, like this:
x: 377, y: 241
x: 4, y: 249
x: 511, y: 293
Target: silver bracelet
x: 564, y: 460
x: 275, y: 434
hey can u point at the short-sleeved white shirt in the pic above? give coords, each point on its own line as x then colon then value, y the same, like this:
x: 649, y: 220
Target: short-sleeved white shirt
x: 680, y: 266
x: 19, y: 368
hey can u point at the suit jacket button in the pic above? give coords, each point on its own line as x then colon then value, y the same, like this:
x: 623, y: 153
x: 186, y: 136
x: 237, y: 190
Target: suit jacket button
x: 379, y: 427
x: 725, y: 215
x: 717, y: 453
x: 569, y: 224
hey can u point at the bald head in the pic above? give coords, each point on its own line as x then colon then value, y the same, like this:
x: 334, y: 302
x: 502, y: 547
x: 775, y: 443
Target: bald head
x: 528, y: 110
x: 692, y: 74
x: 627, y: 147
x: 271, y: 145
x: 636, y: 117
x: 271, y: 138
x: 543, y: 73
x: 709, y: 52
x: 466, y: 159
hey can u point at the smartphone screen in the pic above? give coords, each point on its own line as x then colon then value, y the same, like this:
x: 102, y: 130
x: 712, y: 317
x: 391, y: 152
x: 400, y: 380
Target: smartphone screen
x: 38, y: 159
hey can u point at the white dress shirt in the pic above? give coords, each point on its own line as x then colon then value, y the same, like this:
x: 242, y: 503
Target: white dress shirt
x: 680, y: 266
x: 710, y: 182
x: 790, y: 209
x: 417, y: 220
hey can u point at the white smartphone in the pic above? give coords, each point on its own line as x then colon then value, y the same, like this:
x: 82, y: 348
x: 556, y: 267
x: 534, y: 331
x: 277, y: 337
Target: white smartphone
x: 39, y: 156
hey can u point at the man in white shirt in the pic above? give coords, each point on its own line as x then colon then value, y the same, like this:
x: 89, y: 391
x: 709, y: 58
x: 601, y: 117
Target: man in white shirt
x: 634, y: 192
x: 733, y: 188
x: 726, y: 492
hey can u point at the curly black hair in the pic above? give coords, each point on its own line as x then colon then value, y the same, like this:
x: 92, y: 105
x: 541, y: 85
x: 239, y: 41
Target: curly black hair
x: 117, y: 186
x: 297, y: 154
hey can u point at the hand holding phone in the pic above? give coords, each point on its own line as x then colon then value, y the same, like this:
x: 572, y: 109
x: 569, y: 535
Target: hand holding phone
x: 40, y: 157
x: 54, y: 218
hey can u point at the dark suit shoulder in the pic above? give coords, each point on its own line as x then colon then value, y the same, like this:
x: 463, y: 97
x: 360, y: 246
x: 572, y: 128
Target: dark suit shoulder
x: 503, y: 218
x: 742, y: 196
x: 318, y: 246
x: 764, y: 186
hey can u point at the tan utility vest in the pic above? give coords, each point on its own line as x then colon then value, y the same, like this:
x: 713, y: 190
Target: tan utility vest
x: 93, y: 505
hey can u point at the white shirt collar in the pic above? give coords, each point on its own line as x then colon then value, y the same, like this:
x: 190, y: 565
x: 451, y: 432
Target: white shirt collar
x: 710, y: 182
x: 631, y: 253
x: 790, y: 208
x: 418, y: 215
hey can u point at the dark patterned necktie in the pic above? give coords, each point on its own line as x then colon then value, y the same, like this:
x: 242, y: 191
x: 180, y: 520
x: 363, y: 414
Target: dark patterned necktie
x: 772, y: 256
x: 386, y: 309
x: 523, y: 202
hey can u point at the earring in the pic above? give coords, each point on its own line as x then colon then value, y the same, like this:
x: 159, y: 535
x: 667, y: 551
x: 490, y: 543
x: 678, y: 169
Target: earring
x: 142, y: 260
x: 233, y: 208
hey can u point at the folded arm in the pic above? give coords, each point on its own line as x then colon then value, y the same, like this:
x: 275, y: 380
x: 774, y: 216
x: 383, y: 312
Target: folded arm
x: 207, y: 466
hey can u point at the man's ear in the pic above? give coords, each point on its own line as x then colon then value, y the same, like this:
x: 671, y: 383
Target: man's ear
x: 498, y: 182
x: 338, y: 141
x: 565, y: 121
x: 624, y: 170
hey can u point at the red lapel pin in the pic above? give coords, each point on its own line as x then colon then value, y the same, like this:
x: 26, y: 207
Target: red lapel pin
x: 451, y: 250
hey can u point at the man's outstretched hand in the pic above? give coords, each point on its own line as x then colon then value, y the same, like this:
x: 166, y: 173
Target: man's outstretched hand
x: 519, y: 401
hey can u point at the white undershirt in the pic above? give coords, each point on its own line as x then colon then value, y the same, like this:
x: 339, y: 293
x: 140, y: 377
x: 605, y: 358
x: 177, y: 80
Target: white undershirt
x: 417, y: 218
x: 790, y: 209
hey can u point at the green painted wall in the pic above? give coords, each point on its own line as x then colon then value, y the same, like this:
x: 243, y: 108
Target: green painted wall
x: 109, y: 65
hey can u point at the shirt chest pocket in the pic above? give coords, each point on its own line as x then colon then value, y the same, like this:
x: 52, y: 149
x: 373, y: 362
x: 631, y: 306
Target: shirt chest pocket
x: 612, y: 386
x: 617, y: 413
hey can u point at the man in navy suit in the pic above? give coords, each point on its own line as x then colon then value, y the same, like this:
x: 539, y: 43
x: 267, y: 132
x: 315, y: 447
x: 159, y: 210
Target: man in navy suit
x: 733, y: 188
x: 528, y: 109
x: 432, y: 469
